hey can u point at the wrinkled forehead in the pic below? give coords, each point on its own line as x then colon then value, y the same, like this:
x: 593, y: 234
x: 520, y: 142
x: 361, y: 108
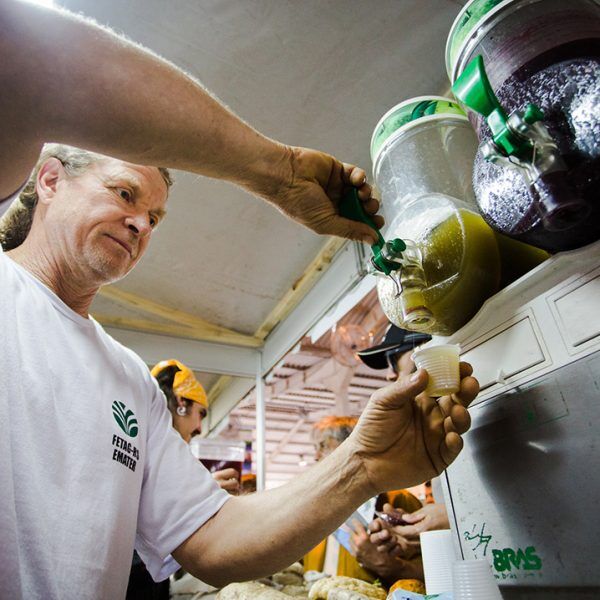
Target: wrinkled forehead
x: 146, y: 180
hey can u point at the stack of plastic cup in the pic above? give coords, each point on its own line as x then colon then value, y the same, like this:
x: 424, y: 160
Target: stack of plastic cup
x: 473, y: 580
x: 438, y: 556
x: 442, y: 365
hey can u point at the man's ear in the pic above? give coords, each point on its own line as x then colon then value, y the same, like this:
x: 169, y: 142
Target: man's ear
x: 47, y: 179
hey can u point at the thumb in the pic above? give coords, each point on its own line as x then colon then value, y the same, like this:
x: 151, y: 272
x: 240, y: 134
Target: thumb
x: 399, y: 393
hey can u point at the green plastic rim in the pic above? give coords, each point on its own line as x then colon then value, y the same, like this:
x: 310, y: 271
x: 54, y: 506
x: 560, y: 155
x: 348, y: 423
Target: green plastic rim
x: 409, y: 112
x: 471, y: 15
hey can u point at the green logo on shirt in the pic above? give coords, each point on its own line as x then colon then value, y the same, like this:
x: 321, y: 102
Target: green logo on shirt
x: 125, y: 418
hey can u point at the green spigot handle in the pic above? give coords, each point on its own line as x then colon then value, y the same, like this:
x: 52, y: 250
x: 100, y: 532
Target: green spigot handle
x: 351, y: 208
x: 473, y: 89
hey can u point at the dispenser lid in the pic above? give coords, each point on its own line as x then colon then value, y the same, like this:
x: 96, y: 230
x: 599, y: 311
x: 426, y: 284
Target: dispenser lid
x: 407, y: 112
x: 467, y: 20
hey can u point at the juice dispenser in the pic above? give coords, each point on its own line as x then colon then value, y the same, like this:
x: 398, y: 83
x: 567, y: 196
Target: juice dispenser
x: 459, y: 259
x: 529, y: 71
x: 423, y: 145
x: 422, y: 153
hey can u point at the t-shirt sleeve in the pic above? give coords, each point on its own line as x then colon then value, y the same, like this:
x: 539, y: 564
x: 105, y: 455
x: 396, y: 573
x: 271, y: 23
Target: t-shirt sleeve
x: 178, y: 494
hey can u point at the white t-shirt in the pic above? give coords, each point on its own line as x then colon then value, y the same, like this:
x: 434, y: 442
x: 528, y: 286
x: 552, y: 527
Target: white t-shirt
x: 89, y: 461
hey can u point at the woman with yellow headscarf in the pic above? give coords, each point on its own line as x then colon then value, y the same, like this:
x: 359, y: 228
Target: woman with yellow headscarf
x: 188, y: 404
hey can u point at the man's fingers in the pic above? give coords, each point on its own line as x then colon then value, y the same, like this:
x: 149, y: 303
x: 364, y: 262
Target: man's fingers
x: 354, y: 175
x: 360, y: 531
x: 381, y: 537
x: 465, y: 369
x: 400, y: 392
x: 375, y: 526
x: 386, y: 548
x: 451, y: 447
x: 413, y: 517
x: 229, y: 485
x: 459, y: 420
x: 469, y: 388
x: 408, y: 531
x: 371, y: 205
x: 226, y: 474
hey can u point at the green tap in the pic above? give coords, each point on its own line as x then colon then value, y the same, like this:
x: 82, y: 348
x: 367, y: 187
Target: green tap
x: 473, y: 89
x: 384, y: 252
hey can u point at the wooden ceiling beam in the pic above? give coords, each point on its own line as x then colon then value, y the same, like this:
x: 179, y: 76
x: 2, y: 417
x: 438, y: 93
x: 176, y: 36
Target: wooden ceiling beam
x: 186, y: 325
x: 181, y: 331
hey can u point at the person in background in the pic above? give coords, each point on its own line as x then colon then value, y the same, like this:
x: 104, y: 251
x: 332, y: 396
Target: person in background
x: 329, y: 556
x: 248, y: 483
x: 393, y: 551
x: 188, y: 404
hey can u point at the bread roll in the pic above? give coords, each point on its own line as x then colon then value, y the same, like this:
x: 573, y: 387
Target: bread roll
x: 250, y: 590
x: 320, y: 590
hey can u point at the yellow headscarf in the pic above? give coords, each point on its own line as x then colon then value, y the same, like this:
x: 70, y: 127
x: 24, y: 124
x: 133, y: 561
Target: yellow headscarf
x: 185, y: 383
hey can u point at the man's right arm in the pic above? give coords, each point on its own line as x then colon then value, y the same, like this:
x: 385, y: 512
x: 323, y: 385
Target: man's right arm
x: 67, y: 80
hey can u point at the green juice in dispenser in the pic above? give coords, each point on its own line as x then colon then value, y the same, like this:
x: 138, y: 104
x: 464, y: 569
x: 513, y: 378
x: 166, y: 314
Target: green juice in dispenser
x: 460, y: 264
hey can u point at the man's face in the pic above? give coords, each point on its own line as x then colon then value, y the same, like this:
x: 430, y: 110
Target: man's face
x: 326, y: 447
x: 102, y: 220
x: 191, y: 424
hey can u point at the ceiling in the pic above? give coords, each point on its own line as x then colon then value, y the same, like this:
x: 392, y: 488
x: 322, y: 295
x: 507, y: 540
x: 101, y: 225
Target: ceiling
x: 311, y: 72
x: 306, y: 385
x: 225, y: 266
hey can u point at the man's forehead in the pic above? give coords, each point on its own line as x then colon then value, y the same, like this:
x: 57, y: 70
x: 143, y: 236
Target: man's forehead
x: 144, y: 177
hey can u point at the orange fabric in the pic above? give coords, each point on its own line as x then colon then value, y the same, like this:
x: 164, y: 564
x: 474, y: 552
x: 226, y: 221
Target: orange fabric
x: 347, y: 564
x: 410, y: 585
x: 185, y: 384
x: 315, y: 559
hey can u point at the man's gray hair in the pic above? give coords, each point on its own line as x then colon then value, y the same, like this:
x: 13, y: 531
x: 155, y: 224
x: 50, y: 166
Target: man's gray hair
x: 16, y: 222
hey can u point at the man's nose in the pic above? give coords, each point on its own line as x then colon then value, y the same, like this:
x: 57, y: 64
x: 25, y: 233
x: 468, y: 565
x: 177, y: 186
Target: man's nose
x: 139, y: 225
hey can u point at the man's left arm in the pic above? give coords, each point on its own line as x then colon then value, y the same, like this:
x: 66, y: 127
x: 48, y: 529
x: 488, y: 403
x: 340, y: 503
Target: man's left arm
x: 404, y: 437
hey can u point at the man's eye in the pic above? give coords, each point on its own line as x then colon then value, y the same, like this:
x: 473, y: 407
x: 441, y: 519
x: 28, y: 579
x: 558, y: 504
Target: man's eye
x: 125, y: 194
x: 153, y: 221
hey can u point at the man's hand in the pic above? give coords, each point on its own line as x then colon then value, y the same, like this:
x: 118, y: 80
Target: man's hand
x: 228, y: 480
x: 382, y: 564
x: 387, y: 541
x: 404, y: 437
x: 312, y: 191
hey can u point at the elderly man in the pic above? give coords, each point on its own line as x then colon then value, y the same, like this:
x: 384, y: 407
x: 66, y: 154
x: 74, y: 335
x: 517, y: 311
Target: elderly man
x: 89, y: 463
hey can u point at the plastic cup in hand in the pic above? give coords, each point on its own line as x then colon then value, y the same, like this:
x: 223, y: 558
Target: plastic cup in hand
x: 473, y: 580
x: 438, y: 556
x: 441, y: 364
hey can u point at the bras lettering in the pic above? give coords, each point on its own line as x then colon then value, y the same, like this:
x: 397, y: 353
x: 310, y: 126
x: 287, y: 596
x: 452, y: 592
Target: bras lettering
x: 507, y: 559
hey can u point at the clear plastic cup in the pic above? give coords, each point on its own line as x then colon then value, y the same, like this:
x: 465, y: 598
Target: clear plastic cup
x: 441, y: 363
x: 473, y: 580
x: 437, y: 551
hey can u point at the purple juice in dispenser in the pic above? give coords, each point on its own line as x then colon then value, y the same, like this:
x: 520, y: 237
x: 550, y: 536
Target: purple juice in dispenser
x: 547, y: 54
